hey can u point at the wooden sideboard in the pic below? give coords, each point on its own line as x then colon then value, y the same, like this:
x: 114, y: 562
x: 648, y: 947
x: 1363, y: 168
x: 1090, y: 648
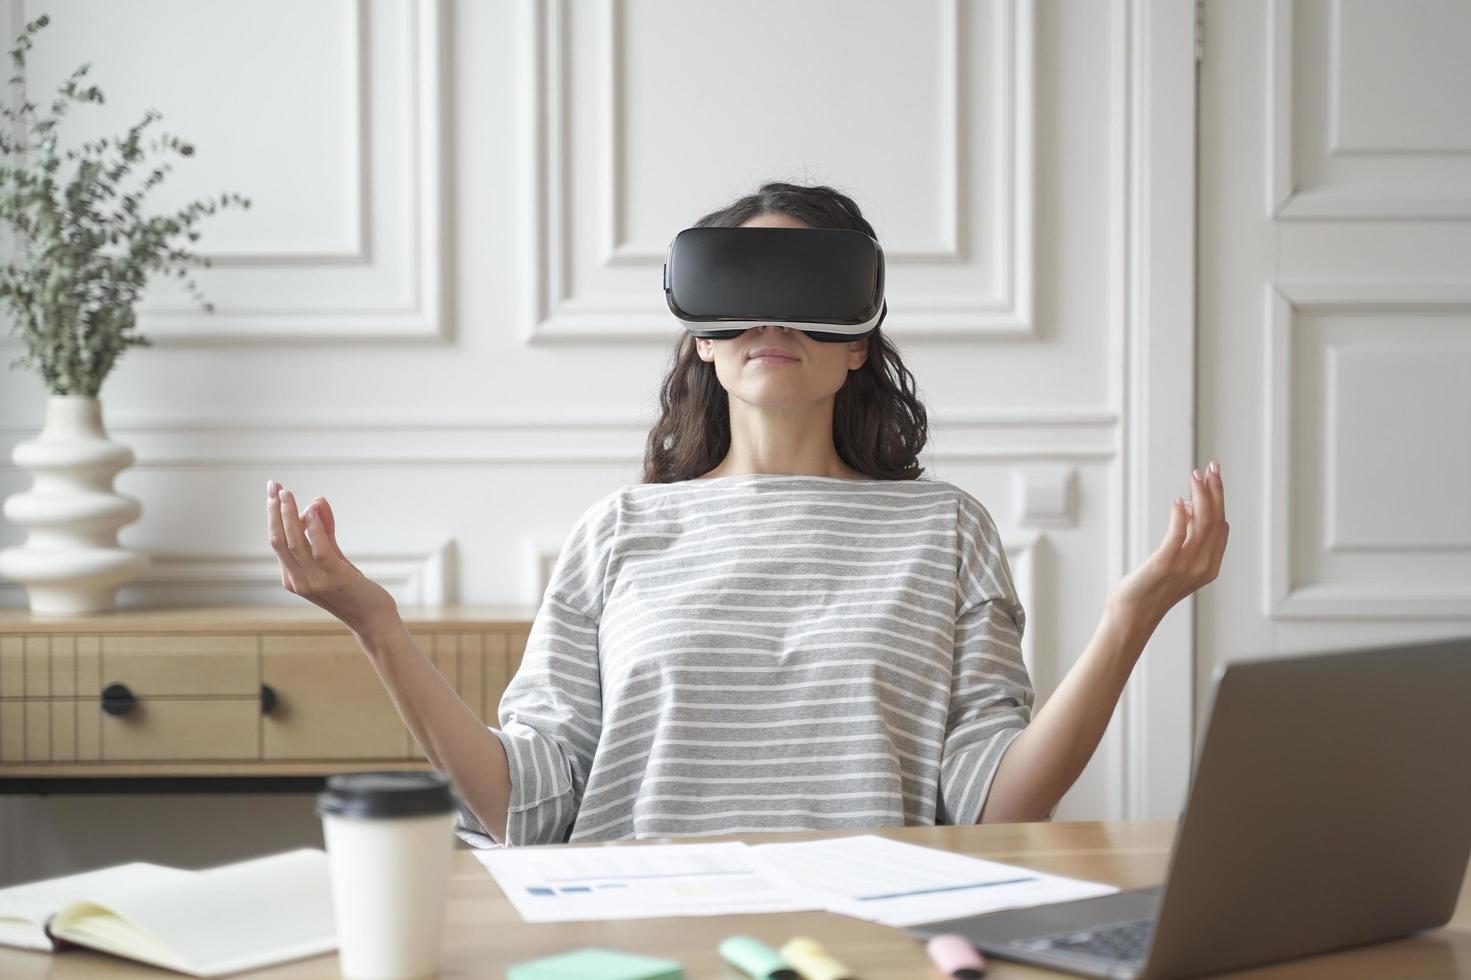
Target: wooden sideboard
x: 228, y: 690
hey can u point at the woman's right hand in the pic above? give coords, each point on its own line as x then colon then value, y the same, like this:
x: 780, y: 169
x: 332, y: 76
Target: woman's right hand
x: 313, y: 567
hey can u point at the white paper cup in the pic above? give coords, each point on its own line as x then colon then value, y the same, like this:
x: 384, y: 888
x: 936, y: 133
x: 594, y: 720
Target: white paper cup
x: 390, y: 838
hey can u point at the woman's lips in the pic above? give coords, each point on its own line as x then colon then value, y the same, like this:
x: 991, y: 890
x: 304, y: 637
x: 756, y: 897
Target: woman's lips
x: 773, y: 359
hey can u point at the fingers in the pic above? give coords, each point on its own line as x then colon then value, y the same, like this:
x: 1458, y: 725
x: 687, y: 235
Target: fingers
x: 327, y: 518
x: 300, y: 571
x: 1203, y: 511
x: 296, y: 541
x: 1208, y: 526
x: 1179, y: 520
x: 1192, y: 514
x: 324, y: 552
x: 1218, y: 486
x: 1215, y: 568
x: 1215, y: 495
x: 325, y: 526
x: 1225, y: 528
x: 276, y: 535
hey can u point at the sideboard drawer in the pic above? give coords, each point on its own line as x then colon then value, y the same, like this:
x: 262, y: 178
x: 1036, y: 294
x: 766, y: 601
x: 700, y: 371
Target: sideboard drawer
x: 41, y: 730
x: 231, y: 691
x: 330, y: 702
x: 180, y: 730
x: 182, y: 665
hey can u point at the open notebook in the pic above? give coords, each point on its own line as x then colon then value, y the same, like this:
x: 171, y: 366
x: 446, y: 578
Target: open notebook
x: 204, y: 923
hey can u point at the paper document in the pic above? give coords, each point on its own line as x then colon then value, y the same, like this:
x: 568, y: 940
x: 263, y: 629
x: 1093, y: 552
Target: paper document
x: 897, y: 884
x: 866, y: 876
x: 551, y: 884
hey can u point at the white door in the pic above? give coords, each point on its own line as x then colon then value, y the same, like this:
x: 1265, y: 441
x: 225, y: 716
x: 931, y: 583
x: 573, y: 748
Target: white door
x: 1335, y: 323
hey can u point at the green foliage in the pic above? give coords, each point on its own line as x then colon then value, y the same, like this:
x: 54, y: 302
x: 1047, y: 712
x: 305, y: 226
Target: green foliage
x: 87, y: 250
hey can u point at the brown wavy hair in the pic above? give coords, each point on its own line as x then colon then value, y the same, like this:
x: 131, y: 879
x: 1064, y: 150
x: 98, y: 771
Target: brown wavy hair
x: 879, y: 423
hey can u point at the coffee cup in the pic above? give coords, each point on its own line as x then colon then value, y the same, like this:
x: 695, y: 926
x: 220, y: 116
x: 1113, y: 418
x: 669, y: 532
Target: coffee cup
x: 390, y: 839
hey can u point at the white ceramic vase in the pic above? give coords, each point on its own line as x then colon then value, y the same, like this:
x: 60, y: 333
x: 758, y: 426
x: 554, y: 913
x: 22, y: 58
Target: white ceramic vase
x: 70, y: 563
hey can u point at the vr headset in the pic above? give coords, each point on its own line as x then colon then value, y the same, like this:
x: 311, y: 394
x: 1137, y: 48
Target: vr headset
x: 827, y: 283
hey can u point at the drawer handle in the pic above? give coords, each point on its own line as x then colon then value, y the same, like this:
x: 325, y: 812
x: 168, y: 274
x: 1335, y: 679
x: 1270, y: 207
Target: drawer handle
x: 267, y: 699
x: 117, y: 700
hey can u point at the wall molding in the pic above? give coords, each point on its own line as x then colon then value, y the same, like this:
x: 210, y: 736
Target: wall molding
x: 421, y: 577
x: 1282, y: 598
x: 1287, y: 199
x: 351, y: 248
x: 614, y: 250
x: 552, y: 317
x: 540, y: 438
x: 1152, y: 264
x: 1336, y: 145
x: 418, y: 313
x: 1040, y: 416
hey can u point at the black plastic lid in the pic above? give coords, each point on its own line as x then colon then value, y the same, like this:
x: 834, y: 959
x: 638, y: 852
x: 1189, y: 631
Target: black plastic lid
x: 385, y: 794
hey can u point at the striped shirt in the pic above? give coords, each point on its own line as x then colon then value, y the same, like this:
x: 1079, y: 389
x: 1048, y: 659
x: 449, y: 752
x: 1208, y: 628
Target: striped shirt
x: 766, y: 652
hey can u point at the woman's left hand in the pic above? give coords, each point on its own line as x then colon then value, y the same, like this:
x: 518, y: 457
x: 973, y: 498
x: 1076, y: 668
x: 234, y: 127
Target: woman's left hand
x: 1188, y: 558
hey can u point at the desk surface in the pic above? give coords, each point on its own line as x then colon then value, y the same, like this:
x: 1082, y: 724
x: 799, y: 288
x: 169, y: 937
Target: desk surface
x: 483, y: 933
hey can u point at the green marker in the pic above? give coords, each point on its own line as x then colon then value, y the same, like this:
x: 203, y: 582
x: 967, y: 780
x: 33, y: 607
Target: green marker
x: 756, y: 958
x: 597, y: 964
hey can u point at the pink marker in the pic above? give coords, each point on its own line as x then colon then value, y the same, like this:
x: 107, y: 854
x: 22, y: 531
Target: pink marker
x: 955, y: 957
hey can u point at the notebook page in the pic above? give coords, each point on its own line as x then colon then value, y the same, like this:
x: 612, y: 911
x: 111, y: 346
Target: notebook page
x: 33, y: 902
x: 235, y: 917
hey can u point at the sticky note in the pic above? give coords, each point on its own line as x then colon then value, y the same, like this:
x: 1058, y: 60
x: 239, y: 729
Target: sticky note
x: 597, y: 964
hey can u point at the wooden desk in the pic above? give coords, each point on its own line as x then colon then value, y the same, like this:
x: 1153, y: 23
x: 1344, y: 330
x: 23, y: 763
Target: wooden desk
x: 483, y: 933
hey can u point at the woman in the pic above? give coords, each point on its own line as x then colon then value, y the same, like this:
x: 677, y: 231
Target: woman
x: 782, y: 626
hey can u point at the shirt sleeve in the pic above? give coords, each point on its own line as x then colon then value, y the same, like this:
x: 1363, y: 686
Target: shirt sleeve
x: 551, y: 712
x: 991, y: 693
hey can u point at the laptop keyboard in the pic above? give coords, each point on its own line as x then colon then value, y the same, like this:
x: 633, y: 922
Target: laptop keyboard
x: 1121, y: 942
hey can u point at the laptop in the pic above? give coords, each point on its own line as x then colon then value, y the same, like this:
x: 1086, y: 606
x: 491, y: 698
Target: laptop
x: 1329, y: 807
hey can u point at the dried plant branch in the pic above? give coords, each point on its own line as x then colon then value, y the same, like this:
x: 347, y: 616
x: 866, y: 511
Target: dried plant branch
x: 87, y: 249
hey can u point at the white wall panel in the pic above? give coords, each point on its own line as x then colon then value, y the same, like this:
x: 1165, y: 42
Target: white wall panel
x: 326, y: 115
x: 1355, y: 135
x: 644, y: 108
x: 1370, y: 518
x: 1371, y: 43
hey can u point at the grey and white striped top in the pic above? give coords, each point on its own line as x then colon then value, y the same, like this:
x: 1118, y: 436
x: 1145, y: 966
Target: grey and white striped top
x: 766, y: 652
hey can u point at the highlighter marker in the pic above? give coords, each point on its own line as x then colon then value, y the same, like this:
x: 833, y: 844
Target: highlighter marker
x: 814, y: 962
x: 756, y: 958
x: 955, y: 957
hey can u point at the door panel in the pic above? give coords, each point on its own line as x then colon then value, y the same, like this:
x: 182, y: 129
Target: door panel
x: 1335, y: 323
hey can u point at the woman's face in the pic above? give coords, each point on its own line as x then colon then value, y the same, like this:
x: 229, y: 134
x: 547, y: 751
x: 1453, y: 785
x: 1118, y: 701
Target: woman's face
x: 813, y: 370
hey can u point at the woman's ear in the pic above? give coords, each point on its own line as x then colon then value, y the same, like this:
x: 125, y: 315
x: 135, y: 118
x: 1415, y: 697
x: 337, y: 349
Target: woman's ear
x: 705, y: 349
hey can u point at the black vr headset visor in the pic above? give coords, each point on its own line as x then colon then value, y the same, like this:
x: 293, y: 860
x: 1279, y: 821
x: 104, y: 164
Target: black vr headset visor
x: 826, y: 282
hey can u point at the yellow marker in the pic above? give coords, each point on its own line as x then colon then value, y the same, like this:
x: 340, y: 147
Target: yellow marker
x: 813, y: 962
